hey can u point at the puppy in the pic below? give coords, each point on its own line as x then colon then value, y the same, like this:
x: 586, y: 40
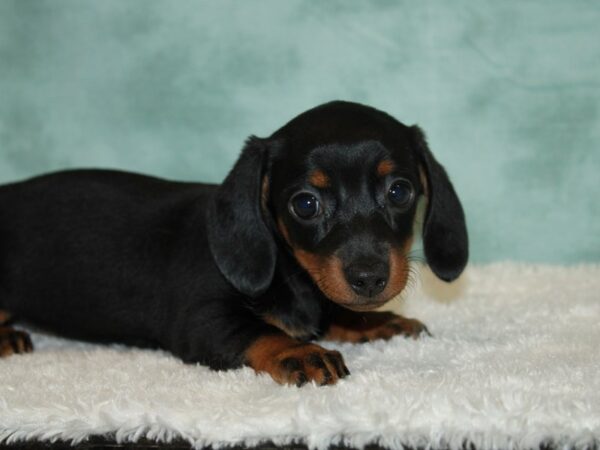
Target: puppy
x: 308, y: 233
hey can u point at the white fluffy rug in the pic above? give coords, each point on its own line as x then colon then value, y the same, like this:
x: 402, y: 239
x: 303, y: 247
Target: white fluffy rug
x: 514, y: 363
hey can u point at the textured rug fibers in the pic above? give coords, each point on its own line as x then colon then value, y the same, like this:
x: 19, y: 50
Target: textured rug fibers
x: 514, y: 362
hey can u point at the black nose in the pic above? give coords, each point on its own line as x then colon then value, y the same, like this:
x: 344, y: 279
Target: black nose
x: 367, y: 279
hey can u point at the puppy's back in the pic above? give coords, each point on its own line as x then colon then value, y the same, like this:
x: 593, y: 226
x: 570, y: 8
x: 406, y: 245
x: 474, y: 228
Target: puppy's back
x: 86, y: 253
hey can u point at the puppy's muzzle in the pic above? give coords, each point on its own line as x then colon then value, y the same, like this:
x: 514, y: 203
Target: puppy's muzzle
x: 367, y: 278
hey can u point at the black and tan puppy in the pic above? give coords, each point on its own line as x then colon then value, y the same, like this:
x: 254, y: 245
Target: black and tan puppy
x: 308, y: 232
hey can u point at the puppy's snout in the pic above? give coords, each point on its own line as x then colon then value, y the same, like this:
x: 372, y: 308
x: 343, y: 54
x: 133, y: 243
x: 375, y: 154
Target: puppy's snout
x: 367, y: 279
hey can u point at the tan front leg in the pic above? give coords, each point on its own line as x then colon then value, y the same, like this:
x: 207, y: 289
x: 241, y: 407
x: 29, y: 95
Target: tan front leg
x: 12, y: 341
x: 290, y: 361
x: 350, y: 326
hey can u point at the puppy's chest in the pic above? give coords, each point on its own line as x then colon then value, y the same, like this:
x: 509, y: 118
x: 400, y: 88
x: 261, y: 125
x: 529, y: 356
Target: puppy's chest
x: 293, y: 303
x: 303, y: 328
x: 300, y: 316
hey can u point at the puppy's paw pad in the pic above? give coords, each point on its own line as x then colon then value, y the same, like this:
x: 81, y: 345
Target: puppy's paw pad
x: 14, y: 342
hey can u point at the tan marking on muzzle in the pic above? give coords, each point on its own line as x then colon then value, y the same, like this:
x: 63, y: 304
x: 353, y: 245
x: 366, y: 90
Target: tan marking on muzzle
x: 327, y: 273
x: 399, y: 270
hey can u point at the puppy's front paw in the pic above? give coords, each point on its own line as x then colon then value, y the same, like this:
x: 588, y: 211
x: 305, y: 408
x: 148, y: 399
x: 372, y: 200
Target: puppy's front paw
x: 405, y: 327
x: 14, y: 341
x: 291, y: 362
x: 369, y: 326
x: 307, y: 363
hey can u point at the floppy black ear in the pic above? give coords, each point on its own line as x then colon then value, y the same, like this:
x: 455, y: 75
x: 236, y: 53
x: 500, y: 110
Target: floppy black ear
x: 445, y: 238
x: 239, y: 239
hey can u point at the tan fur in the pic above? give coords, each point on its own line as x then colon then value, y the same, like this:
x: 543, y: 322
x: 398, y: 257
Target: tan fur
x: 327, y: 274
x: 269, y: 353
x: 370, y: 326
x: 13, y: 341
x: 385, y: 167
x: 398, y: 271
x: 261, y: 355
x: 319, y: 179
x: 4, y: 316
x: 276, y: 322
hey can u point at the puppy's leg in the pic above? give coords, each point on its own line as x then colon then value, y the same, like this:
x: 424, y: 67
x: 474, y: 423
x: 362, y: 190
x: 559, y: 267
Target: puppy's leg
x: 290, y: 361
x: 350, y: 326
x: 5, y: 317
x: 12, y: 341
x: 231, y: 341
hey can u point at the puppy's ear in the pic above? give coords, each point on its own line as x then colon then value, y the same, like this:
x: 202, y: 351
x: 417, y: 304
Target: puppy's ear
x: 445, y: 238
x: 239, y: 238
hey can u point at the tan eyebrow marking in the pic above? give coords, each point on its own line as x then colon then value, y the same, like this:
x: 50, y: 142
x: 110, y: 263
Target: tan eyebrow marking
x: 319, y: 179
x: 385, y: 167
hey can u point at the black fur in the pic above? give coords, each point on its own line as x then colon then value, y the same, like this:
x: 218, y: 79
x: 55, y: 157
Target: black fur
x: 246, y: 251
x: 445, y: 236
x: 196, y: 268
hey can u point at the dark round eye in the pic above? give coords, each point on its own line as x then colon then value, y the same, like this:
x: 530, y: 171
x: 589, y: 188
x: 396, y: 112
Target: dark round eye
x: 401, y: 193
x: 305, y: 205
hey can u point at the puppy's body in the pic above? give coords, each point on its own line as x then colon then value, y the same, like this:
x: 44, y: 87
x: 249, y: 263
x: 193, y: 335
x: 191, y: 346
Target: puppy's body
x: 230, y: 274
x: 115, y: 256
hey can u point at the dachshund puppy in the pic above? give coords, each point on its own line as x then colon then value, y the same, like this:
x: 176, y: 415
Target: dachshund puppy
x: 308, y: 233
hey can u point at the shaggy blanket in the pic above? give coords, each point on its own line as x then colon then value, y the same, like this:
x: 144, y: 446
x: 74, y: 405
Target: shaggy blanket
x: 514, y: 363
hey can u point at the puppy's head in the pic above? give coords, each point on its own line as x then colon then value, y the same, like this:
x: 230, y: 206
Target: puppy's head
x: 338, y: 185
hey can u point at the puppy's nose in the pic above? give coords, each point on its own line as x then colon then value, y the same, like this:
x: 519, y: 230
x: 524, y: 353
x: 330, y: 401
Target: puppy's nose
x: 367, y: 279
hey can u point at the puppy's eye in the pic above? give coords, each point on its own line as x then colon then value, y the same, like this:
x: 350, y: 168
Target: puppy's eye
x: 305, y: 205
x: 401, y: 193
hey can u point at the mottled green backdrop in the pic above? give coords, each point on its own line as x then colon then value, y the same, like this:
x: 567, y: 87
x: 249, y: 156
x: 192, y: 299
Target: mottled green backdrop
x: 508, y: 91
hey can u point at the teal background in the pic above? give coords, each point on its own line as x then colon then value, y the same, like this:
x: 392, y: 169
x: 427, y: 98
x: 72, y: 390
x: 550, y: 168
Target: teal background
x: 507, y: 91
